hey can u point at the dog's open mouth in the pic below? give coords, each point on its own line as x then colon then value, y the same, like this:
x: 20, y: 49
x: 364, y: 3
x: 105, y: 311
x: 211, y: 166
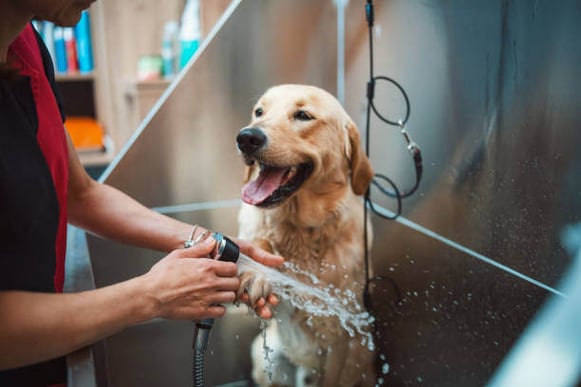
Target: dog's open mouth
x: 274, y: 184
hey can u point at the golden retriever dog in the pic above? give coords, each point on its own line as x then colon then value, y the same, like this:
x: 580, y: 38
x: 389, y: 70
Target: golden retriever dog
x: 305, y: 173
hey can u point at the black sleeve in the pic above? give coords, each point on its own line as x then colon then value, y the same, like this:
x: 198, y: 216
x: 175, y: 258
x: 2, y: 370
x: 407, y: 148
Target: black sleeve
x: 49, y: 71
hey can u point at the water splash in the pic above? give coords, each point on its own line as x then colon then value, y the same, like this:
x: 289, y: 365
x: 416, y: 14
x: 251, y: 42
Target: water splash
x: 265, y: 349
x: 316, y: 299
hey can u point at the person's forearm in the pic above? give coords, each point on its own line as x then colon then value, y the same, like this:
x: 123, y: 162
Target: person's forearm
x: 109, y: 213
x: 39, y: 326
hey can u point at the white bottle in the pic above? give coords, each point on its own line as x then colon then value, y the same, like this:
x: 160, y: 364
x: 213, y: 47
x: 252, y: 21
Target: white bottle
x: 190, y: 31
x: 169, y: 51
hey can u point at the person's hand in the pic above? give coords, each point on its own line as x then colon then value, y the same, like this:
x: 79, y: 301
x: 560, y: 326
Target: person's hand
x: 192, y: 289
x: 262, y: 306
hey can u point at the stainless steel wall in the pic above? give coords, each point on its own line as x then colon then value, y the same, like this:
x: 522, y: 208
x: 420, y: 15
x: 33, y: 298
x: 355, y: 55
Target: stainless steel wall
x: 495, y: 107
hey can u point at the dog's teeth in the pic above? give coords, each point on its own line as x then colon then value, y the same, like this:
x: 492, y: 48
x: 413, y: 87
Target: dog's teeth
x: 292, y: 171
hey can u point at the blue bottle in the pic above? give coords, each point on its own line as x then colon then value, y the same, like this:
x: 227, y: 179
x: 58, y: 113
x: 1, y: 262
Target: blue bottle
x: 190, y: 32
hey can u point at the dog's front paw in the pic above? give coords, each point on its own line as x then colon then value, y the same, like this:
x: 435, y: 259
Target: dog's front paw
x: 255, y: 286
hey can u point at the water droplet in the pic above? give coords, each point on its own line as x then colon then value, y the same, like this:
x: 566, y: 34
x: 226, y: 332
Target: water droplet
x: 385, y: 368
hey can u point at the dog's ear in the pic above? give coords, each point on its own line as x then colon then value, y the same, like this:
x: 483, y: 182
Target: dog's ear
x: 361, y: 170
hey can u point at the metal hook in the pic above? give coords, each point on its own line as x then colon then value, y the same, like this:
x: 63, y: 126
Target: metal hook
x: 412, y: 147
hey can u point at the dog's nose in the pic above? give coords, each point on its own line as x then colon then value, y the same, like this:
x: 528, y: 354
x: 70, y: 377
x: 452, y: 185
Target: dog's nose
x: 250, y: 140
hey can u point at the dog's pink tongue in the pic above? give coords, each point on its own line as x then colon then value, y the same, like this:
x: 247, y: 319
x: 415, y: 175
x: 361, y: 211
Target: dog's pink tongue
x: 257, y: 191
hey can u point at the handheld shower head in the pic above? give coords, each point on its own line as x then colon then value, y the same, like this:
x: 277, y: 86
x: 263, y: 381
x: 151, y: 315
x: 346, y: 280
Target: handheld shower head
x: 225, y: 250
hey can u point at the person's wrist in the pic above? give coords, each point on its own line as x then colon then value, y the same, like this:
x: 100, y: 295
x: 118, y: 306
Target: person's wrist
x: 189, y: 242
x: 146, y: 304
x: 197, y: 235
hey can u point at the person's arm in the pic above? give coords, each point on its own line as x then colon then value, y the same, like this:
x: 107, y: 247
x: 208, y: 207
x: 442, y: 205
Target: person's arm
x: 110, y: 213
x: 39, y: 326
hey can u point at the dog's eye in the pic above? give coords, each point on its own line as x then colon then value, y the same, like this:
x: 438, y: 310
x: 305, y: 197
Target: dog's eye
x: 302, y: 115
x: 258, y: 112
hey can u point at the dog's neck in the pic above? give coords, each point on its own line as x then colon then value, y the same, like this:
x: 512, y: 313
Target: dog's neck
x: 313, y: 215
x: 313, y: 209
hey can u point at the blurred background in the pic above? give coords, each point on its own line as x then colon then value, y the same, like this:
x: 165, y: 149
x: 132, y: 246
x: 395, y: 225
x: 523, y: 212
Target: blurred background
x: 479, y: 250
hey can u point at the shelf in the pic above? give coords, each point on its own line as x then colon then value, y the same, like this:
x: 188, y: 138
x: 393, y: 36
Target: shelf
x: 134, y: 87
x: 96, y: 158
x: 142, y: 96
x: 74, y: 77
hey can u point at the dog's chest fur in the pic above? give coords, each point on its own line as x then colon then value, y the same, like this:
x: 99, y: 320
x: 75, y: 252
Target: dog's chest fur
x: 333, y: 246
x: 332, y: 251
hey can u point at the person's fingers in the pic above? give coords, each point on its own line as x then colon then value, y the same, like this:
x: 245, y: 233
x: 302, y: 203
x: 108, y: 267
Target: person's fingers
x: 262, y: 306
x: 260, y: 303
x: 224, y: 297
x: 201, y: 250
x: 259, y: 254
x: 243, y: 297
x: 216, y: 311
x: 230, y: 284
x: 225, y: 269
x: 272, y: 300
x: 264, y: 313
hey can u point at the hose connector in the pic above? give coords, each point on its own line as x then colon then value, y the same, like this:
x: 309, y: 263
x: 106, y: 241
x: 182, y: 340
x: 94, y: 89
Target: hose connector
x: 202, y: 334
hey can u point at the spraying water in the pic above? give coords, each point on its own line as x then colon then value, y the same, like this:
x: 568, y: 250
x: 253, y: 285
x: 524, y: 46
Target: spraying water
x: 316, y: 299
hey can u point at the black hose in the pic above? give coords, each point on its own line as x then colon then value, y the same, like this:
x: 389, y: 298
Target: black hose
x: 198, y: 368
x: 200, y: 343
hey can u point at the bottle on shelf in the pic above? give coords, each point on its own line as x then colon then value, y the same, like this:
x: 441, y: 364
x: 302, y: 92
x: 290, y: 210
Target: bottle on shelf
x: 190, y: 33
x: 169, y: 49
x: 71, y: 49
x: 84, y: 46
x: 60, y: 50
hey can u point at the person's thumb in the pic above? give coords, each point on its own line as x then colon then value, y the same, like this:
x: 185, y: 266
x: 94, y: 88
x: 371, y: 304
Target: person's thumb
x: 202, y: 249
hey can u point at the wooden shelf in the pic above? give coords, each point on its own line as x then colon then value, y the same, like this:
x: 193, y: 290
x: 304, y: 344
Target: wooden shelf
x: 106, y: 94
x: 74, y: 77
x: 96, y: 158
x: 134, y: 87
x: 143, y: 95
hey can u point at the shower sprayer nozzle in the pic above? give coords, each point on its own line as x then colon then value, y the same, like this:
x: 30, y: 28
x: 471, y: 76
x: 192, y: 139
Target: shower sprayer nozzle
x: 226, y: 250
